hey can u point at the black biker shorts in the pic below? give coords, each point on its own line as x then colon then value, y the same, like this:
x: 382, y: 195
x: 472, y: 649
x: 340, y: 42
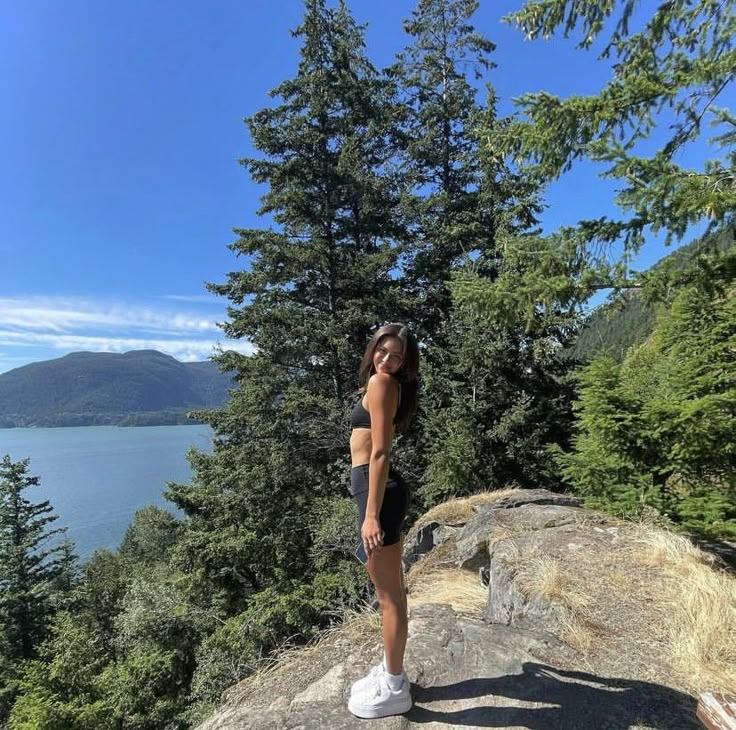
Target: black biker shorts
x: 395, y: 505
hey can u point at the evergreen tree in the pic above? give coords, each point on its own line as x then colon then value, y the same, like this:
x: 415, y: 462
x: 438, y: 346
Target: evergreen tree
x: 318, y: 280
x: 492, y: 393
x: 66, y: 687
x: 671, y: 72
x: 658, y: 428
x: 125, y: 655
x: 150, y: 536
x: 105, y: 582
x: 441, y: 164
x: 28, y: 571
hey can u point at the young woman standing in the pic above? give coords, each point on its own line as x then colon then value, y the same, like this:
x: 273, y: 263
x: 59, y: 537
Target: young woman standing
x: 389, y: 391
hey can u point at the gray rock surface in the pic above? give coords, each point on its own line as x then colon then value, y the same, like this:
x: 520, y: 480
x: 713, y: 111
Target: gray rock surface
x: 490, y: 525
x: 424, y: 541
x: 427, y: 538
x: 530, y: 496
x: 466, y: 673
x: 508, y: 602
x: 471, y: 674
x: 507, y: 667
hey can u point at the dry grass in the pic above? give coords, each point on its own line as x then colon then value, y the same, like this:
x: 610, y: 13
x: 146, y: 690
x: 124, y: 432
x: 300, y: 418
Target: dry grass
x: 359, y: 627
x: 459, y: 511
x: 669, y: 550
x: 704, y: 630
x: 460, y: 589
x: 701, y: 606
x: 545, y: 576
x: 433, y: 561
x: 579, y: 634
x: 563, y: 585
x: 300, y: 665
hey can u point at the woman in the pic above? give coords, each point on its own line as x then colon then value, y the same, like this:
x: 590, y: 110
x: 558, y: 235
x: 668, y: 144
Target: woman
x: 388, y: 379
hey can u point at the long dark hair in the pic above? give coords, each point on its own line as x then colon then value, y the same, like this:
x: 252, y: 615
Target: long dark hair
x: 407, y: 374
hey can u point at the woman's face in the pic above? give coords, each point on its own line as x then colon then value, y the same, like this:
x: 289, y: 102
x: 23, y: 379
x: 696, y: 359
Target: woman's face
x: 389, y: 355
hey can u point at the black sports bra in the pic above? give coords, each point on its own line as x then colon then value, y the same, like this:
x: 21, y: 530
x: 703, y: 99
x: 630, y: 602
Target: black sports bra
x: 361, y: 418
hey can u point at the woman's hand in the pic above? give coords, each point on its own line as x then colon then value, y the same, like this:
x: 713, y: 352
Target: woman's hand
x: 372, y: 535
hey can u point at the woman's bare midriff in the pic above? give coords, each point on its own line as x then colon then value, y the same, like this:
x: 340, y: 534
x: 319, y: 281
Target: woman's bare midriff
x: 361, y: 444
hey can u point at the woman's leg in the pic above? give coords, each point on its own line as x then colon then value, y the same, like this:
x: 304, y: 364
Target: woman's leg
x: 385, y: 570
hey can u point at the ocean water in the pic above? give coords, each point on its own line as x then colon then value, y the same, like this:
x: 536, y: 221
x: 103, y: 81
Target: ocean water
x: 96, y: 477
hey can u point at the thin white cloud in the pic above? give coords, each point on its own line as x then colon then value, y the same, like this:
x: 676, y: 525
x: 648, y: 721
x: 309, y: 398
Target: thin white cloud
x: 194, y: 298
x: 64, y: 314
x: 41, y: 327
x: 116, y: 344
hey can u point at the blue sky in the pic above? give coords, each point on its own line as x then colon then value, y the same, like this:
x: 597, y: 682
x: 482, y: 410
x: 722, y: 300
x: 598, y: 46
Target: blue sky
x: 119, y: 184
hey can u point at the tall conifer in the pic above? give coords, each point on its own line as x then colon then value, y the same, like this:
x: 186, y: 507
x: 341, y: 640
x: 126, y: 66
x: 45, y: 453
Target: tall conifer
x: 29, y: 572
x: 492, y: 396
x: 319, y: 279
x: 446, y: 215
x: 672, y: 71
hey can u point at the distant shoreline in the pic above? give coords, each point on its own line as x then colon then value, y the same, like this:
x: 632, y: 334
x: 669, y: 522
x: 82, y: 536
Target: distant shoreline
x: 124, y: 420
x: 105, y: 425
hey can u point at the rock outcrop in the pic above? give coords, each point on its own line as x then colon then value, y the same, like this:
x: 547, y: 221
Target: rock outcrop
x: 567, y: 633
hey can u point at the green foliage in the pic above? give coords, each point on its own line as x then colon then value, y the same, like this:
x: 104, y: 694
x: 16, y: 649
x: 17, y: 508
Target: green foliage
x: 31, y: 576
x: 37, y: 707
x: 272, y: 620
x: 445, y: 215
x: 316, y: 285
x: 157, y: 633
x: 334, y: 532
x: 150, y: 536
x: 142, y: 687
x: 491, y: 394
x: 155, y: 610
x: 494, y: 399
x: 64, y: 686
x: 106, y: 579
x: 64, y: 689
x: 682, y: 58
x: 658, y: 428
x: 668, y: 75
x: 126, y: 654
x: 10, y: 675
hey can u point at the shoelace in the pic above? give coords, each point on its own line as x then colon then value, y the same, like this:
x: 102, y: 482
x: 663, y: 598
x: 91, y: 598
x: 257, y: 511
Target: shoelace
x: 379, y: 682
x: 377, y: 686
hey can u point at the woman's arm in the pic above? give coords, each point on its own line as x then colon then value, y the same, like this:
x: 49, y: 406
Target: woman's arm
x: 383, y: 400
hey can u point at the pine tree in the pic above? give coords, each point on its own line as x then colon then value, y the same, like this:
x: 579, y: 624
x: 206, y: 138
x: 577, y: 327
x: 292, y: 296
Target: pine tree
x: 668, y: 75
x: 440, y: 161
x: 319, y: 278
x: 28, y: 571
x: 490, y: 400
x: 657, y: 430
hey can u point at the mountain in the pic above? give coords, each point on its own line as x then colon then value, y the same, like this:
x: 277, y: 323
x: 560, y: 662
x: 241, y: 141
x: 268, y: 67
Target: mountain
x: 627, y: 319
x: 137, y: 388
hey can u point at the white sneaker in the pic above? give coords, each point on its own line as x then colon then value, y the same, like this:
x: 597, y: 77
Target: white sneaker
x: 363, y: 682
x: 377, y: 699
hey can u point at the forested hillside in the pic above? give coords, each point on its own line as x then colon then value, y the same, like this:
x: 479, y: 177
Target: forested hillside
x: 138, y: 388
x: 629, y: 318
x: 401, y: 194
